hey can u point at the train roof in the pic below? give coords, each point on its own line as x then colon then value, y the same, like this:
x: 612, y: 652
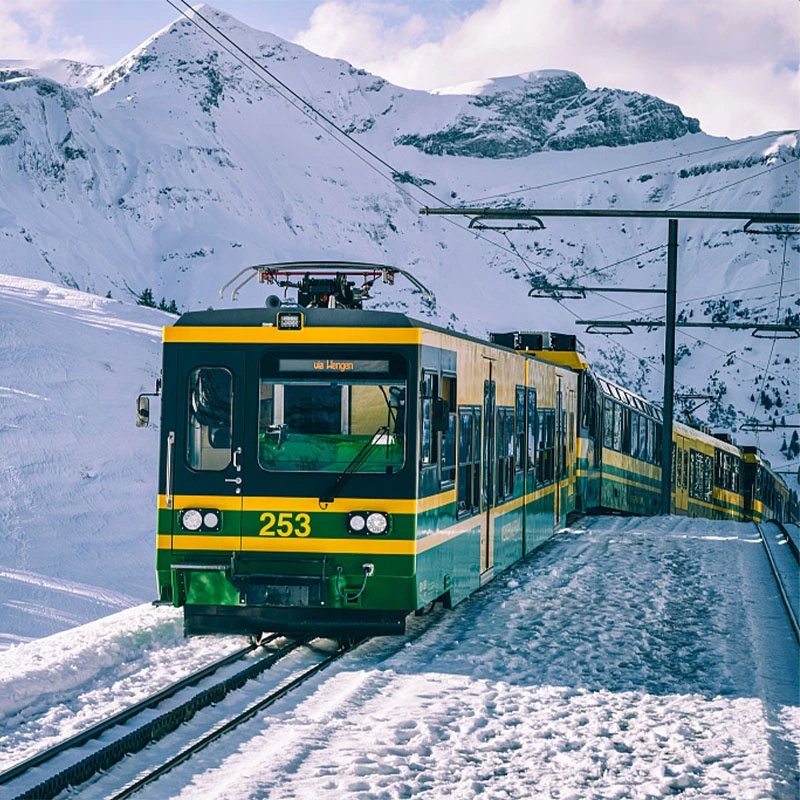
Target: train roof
x: 636, y: 402
x: 318, y: 317
x: 707, y: 438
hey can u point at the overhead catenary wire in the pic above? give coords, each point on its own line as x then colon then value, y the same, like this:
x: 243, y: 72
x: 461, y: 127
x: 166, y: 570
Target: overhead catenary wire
x: 772, y: 344
x: 624, y: 168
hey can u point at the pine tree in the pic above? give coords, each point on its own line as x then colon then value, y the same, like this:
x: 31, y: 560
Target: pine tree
x: 146, y: 298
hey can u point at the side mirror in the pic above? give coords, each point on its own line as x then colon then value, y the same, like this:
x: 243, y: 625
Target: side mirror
x: 440, y: 417
x: 142, y: 411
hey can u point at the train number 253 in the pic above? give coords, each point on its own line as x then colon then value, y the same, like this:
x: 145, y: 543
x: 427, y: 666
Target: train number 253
x: 284, y: 523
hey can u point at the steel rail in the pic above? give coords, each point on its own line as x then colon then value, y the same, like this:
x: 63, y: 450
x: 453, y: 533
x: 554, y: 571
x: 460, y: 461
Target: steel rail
x: 152, y: 730
x: 781, y: 588
x: 228, y: 726
x: 79, y: 739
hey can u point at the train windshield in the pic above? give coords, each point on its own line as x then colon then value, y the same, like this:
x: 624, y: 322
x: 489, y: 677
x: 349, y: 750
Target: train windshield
x: 332, y: 414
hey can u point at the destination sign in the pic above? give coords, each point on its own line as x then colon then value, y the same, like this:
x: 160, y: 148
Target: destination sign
x: 328, y: 365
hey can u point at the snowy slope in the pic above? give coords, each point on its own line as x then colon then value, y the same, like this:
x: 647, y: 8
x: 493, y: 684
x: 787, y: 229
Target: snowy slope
x: 628, y: 658
x: 77, y: 479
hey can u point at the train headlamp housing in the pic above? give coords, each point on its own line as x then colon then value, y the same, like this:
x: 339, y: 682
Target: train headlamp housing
x: 368, y: 523
x: 290, y: 320
x: 208, y: 520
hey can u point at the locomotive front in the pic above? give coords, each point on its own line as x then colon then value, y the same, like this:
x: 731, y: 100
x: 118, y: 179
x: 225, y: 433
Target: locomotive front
x: 287, y: 477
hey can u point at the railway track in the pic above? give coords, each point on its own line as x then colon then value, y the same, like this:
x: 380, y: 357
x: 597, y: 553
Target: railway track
x: 229, y: 725
x: 76, y: 759
x: 783, y: 560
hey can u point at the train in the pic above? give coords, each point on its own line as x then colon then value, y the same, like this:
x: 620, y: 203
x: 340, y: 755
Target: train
x: 330, y: 470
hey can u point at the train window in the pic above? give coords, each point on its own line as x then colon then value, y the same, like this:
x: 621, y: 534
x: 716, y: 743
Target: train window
x: 635, y: 434
x: 532, y: 424
x: 673, y: 467
x: 209, y: 423
x: 545, y: 460
x: 469, y: 464
x: 685, y: 470
x: 428, y: 393
x: 312, y: 422
x: 617, y: 441
x: 625, y: 413
x: 505, y: 452
x: 519, y: 440
x: 701, y: 476
x: 657, y: 431
x: 679, y: 468
x: 448, y: 445
x: 650, y: 440
x: 608, y: 422
x: 642, y: 454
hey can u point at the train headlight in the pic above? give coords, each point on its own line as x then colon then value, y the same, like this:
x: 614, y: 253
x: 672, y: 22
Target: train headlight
x: 200, y: 519
x: 377, y: 522
x: 211, y: 520
x: 356, y: 523
x: 191, y: 519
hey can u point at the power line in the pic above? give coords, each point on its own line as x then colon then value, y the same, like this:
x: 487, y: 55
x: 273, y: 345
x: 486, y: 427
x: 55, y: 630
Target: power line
x: 772, y: 345
x: 736, y: 183
x: 707, y: 296
x: 621, y: 169
x: 308, y: 106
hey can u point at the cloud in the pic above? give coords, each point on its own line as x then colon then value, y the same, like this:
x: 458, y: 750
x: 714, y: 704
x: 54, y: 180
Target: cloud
x: 29, y: 29
x: 731, y: 63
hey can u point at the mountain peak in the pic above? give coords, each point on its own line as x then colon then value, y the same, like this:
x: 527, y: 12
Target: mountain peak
x: 526, y: 83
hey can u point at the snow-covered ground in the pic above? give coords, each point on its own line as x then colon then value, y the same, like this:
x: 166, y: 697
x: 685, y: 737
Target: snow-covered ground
x: 628, y: 658
x: 77, y: 479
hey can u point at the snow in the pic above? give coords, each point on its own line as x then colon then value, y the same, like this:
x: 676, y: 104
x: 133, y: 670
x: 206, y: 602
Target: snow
x: 77, y: 506
x: 626, y: 658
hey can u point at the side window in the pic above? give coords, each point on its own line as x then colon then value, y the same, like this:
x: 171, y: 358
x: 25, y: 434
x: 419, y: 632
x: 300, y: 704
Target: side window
x: 546, y: 446
x: 673, y: 470
x: 635, y: 438
x: 505, y: 452
x: 608, y: 423
x: 209, y: 423
x: 448, y: 455
x: 626, y: 430
x: 531, y: 432
x: 519, y: 441
x: 643, y: 438
x: 657, y: 431
x: 469, y: 462
x: 617, y: 443
x: 428, y: 392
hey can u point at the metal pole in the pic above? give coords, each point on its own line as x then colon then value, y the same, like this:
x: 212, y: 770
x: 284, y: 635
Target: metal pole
x: 669, y: 366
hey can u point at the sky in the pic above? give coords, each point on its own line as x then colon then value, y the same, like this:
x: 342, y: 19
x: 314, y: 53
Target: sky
x: 733, y: 64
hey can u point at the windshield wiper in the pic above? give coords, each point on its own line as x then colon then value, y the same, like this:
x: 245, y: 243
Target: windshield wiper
x: 358, y: 459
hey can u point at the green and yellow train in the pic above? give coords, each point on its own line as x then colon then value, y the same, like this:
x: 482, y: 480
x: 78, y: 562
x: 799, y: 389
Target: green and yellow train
x: 330, y: 470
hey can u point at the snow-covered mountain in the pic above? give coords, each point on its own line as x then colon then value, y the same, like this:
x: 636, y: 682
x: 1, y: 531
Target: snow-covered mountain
x: 178, y: 166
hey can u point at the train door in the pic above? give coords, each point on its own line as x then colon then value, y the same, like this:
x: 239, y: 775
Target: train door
x: 680, y: 476
x: 489, y: 403
x: 204, y: 459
